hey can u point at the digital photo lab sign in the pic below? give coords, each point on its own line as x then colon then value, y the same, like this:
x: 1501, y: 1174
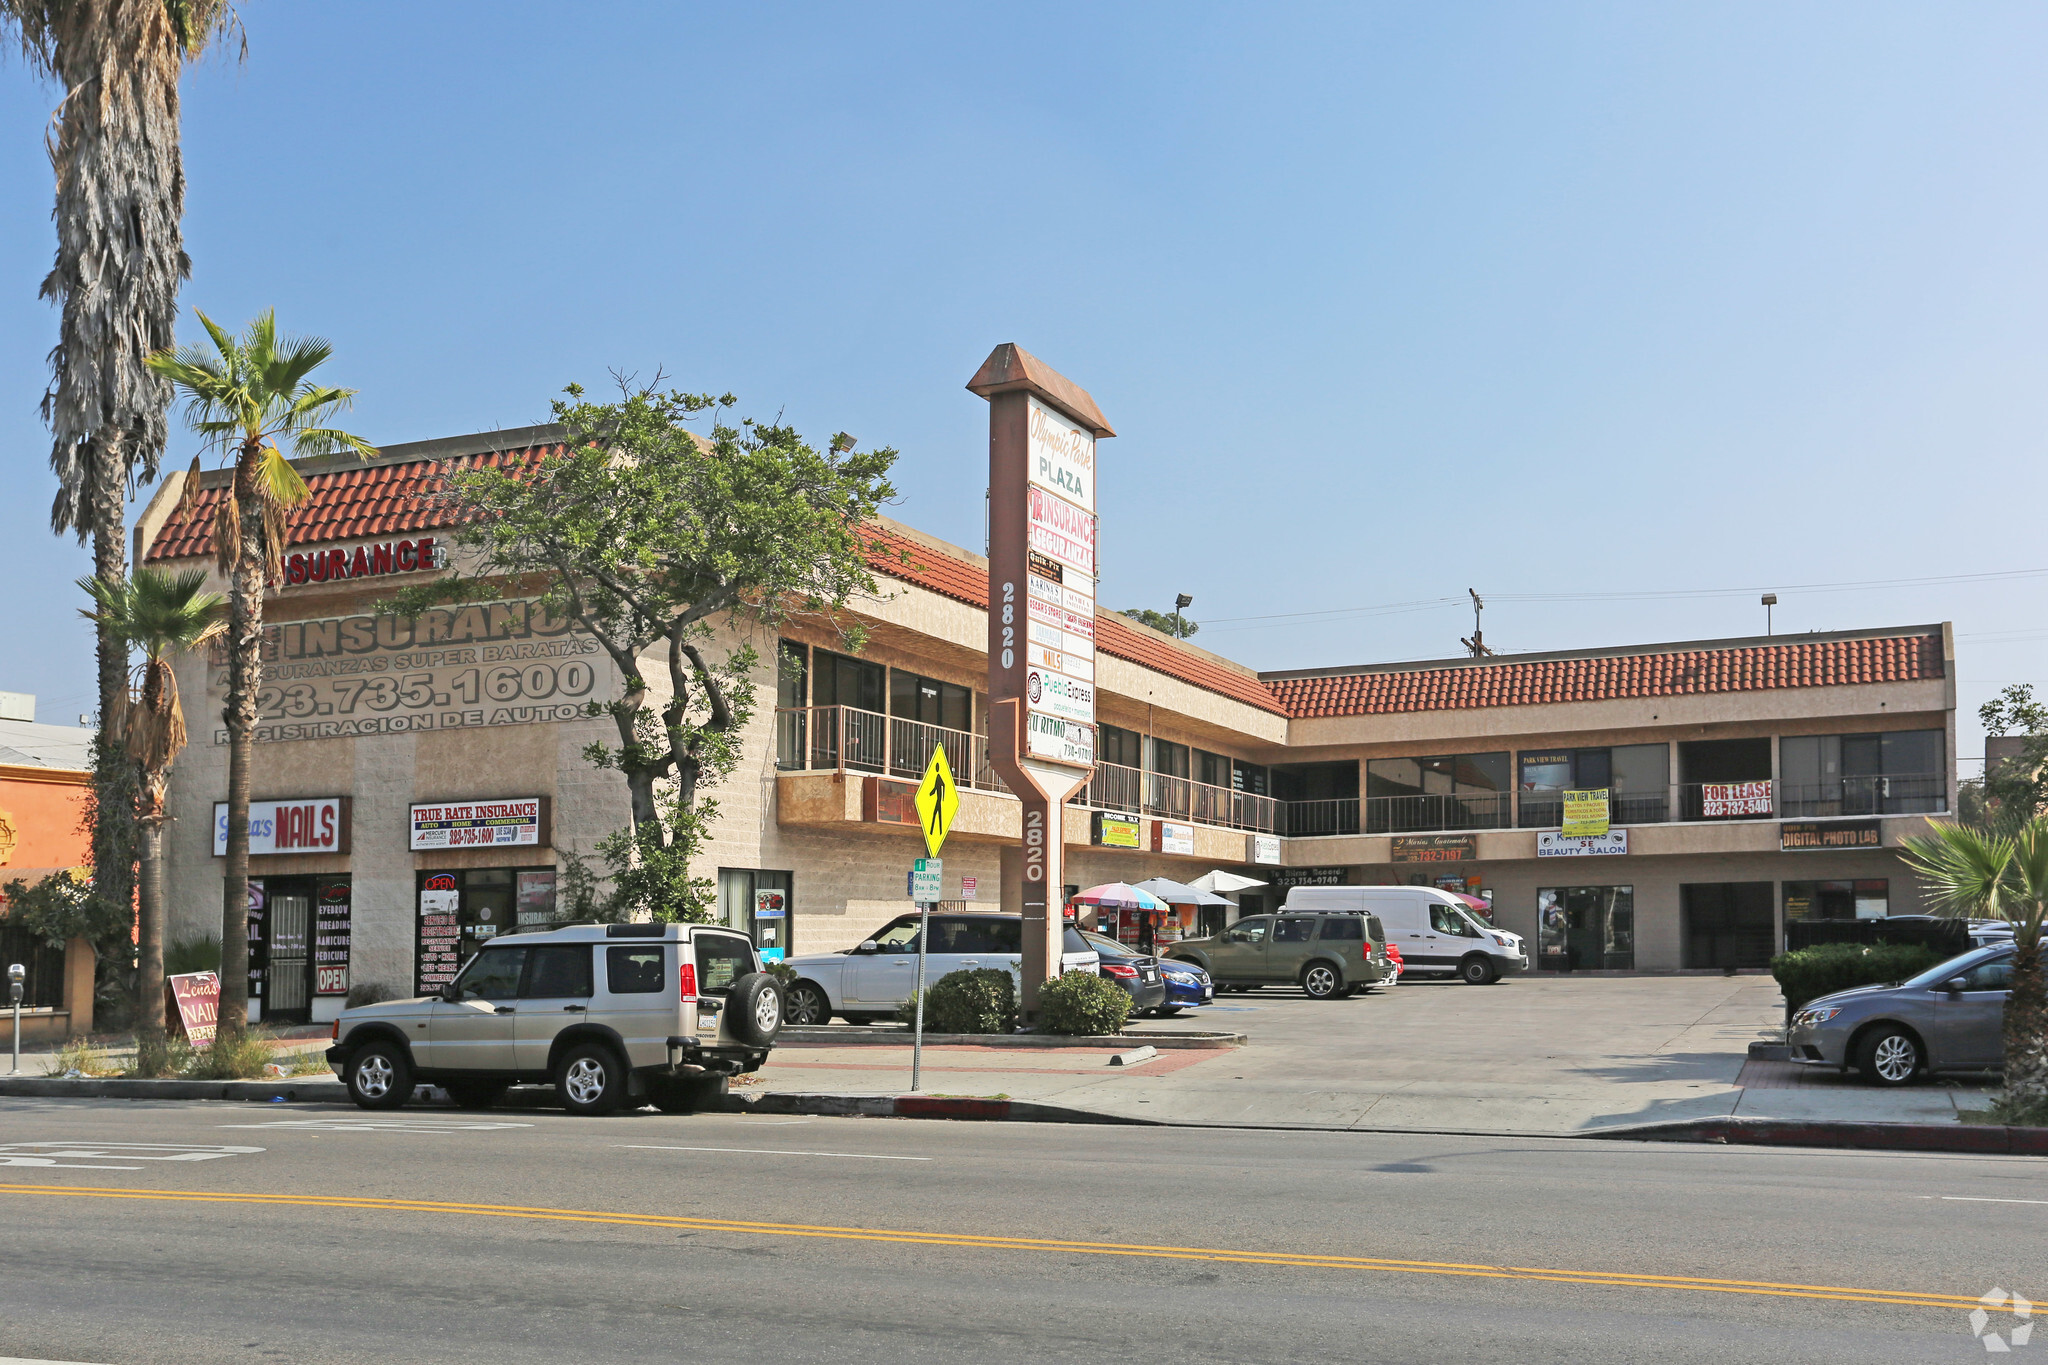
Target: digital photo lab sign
x: 1042, y: 435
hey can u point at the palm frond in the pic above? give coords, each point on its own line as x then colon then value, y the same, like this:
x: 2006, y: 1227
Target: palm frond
x: 281, y: 484
x: 188, y: 496
x: 227, y: 532
x: 331, y: 441
x: 1965, y: 871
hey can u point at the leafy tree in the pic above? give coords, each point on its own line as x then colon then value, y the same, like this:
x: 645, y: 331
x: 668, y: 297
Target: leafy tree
x: 120, y: 259
x: 161, y: 615
x: 1165, y: 622
x: 66, y: 905
x: 245, y: 396
x: 2015, y: 790
x: 650, y: 537
x: 2001, y: 876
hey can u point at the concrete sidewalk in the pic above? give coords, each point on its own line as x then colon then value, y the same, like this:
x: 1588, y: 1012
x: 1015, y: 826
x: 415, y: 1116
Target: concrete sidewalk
x: 1530, y: 1055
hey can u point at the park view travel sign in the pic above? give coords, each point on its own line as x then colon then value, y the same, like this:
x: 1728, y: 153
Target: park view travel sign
x: 1042, y: 435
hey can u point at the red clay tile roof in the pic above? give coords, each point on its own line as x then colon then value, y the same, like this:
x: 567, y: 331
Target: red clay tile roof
x: 1114, y: 635
x: 1818, y: 663
x: 347, y: 504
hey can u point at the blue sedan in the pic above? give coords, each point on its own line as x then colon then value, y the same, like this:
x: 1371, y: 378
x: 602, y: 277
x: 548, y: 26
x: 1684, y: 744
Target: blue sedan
x: 1187, y: 985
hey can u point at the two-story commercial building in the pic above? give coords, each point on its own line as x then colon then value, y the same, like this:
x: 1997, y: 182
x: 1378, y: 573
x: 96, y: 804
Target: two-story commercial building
x: 421, y: 781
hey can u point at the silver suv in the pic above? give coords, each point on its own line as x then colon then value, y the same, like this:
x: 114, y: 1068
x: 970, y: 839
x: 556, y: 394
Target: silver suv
x: 610, y: 1015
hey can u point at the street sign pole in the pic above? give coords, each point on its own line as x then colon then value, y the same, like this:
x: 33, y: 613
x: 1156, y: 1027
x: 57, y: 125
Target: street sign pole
x: 938, y: 801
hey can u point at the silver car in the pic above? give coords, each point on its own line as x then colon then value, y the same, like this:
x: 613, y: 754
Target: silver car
x: 1951, y: 1017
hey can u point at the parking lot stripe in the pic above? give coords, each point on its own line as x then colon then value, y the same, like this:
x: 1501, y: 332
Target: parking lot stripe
x: 1987, y: 1199
x: 1298, y: 1260
x: 769, y: 1151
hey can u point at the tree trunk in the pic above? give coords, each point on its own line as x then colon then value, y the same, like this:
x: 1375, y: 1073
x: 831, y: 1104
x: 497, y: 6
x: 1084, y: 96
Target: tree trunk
x: 245, y: 677
x: 2026, y: 1031
x: 114, y: 785
x: 149, y: 957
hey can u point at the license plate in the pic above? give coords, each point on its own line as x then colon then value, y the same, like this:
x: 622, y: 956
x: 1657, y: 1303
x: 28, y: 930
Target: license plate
x: 707, y: 1023
x: 1151, y: 976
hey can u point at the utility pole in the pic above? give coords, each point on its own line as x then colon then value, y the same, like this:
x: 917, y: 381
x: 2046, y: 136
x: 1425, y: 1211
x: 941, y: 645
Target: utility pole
x: 1476, y: 646
x: 1181, y: 601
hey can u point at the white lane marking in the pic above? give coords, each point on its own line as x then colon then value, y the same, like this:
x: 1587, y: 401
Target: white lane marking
x: 1987, y: 1199
x: 380, y: 1125
x: 24, y: 1360
x: 75, y: 1155
x: 771, y: 1151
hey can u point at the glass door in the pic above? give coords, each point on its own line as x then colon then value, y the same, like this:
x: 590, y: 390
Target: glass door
x: 287, y: 994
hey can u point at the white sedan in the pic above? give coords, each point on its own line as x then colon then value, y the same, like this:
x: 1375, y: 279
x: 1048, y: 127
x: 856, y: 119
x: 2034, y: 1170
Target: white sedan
x: 867, y: 983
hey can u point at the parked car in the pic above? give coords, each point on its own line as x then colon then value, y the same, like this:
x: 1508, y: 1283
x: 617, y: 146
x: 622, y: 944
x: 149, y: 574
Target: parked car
x: 1983, y: 932
x: 1186, y: 986
x: 1329, y: 955
x: 1136, y: 972
x: 868, y: 982
x: 1950, y: 1017
x: 1395, y: 962
x: 1437, y: 933
x: 608, y: 1014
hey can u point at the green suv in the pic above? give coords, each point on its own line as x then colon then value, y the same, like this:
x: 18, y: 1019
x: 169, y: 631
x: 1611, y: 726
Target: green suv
x: 1328, y: 954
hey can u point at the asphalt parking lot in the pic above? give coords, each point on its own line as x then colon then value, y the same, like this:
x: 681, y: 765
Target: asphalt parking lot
x: 1533, y: 1054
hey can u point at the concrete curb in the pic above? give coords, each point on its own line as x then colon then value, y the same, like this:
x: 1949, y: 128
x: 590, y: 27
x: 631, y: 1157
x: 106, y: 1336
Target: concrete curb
x: 919, y: 1107
x: 1888, y: 1137
x: 298, y: 1090
x: 862, y: 1035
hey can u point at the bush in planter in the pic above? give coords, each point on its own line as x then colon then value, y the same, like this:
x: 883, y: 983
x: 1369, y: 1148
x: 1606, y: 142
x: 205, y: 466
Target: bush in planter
x: 1809, y: 973
x: 1082, y: 1004
x: 979, y: 1000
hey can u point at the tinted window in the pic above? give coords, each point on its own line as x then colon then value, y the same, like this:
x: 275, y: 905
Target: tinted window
x: 633, y: 971
x: 1345, y: 927
x: 493, y: 974
x: 1248, y: 931
x: 1995, y: 975
x: 1070, y: 942
x: 1955, y: 966
x: 560, y: 969
x: 1379, y: 931
x: 721, y: 960
x: 1109, y: 947
x: 972, y: 934
x: 1296, y: 930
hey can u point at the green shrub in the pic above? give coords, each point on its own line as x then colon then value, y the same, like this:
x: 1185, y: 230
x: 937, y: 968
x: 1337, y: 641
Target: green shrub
x: 192, y: 955
x: 233, y: 1057
x: 1082, y: 1004
x: 369, y: 993
x: 979, y: 1000
x: 1809, y: 973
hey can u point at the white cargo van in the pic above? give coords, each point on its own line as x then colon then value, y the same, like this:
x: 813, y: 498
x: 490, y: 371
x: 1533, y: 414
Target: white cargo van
x: 1435, y: 932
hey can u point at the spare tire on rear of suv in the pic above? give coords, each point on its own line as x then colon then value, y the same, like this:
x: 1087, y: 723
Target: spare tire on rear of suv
x: 755, y: 1004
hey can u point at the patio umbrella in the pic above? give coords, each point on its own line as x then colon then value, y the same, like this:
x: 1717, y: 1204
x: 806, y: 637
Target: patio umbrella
x: 1119, y: 896
x: 1220, y: 880
x: 1173, y: 893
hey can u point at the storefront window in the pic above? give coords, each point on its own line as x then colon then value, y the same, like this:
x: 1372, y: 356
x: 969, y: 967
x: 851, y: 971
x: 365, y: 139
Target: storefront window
x: 1901, y: 772
x: 838, y: 680
x: 1586, y: 928
x: 1726, y: 924
x: 1118, y: 745
x: 1868, y: 899
x: 758, y: 904
x: 1450, y: 791
x: 463, y: 909
x: 1636, y: 776
x: 929, y: 701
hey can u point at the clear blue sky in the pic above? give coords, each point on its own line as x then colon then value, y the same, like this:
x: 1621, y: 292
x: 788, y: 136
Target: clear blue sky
x: 1386, y: 302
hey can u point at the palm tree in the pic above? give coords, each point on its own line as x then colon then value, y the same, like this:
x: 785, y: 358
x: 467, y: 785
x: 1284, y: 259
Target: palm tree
x: 120, y: 258
x: 2001, y: 875
x: 163, y: 616
x: 245, y: 395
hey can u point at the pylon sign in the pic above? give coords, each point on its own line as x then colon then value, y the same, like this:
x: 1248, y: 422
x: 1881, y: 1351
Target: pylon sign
x: 938, y: 800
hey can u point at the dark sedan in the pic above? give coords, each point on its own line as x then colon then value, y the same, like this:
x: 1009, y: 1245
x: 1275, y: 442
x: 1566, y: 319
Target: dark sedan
x: 1138, y: 973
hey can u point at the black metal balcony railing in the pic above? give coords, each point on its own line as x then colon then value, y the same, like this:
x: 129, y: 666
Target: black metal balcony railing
x: 1889, y: 794
x: 1462, y: 810
x: 831, y: 737
x: 1116, y: 787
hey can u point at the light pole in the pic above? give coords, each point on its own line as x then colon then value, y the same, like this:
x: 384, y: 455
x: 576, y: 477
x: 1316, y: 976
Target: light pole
x: 1180, y: 602
x: 1770, y: 600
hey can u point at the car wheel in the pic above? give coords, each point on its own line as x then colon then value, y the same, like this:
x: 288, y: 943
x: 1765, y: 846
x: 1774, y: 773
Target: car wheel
x: 379, y: 1076
x: 1889, y: 1056
x: 1321, y: 981
x: 476, y: 1094
x: 590, y: 1080
x: 806, y: 1006
x: 1477, y: 971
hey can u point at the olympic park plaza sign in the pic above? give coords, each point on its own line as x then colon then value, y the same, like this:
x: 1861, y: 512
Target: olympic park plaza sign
x: 496, y: 663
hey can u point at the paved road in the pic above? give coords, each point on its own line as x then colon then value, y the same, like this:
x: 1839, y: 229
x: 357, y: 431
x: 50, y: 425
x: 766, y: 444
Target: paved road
x: 319, y: 1237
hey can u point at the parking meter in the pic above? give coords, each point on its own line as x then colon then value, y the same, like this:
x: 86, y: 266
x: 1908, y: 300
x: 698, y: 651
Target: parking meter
x: 16, y: 973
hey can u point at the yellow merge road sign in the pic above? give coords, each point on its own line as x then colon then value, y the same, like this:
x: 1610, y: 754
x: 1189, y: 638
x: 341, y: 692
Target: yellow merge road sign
x: 938, y: 800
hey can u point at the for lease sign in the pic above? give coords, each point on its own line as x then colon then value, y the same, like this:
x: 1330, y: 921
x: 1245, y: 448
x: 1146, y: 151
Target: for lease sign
x: 515, y: 820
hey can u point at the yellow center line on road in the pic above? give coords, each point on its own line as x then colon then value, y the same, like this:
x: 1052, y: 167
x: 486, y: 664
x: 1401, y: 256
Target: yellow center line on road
x: 1300, y: 1260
